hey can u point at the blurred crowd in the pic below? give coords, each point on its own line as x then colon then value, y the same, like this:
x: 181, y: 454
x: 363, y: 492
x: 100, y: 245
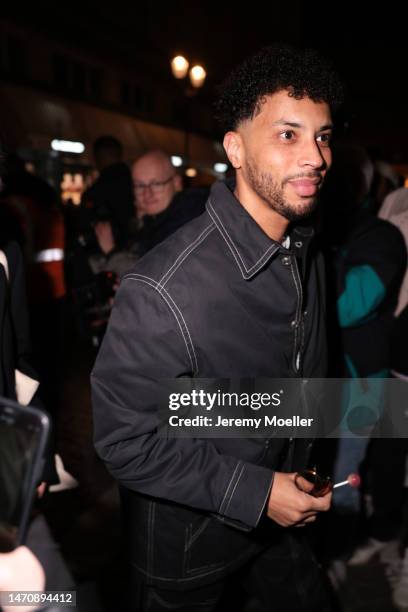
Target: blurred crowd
x: 73, y: 258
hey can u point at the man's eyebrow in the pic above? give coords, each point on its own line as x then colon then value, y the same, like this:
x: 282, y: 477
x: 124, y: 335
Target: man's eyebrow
x: 328, y: 126
x: 290, y: 123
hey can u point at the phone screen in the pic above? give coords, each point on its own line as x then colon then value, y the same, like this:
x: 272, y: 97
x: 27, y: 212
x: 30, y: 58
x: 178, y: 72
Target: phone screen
x: 21, y: 449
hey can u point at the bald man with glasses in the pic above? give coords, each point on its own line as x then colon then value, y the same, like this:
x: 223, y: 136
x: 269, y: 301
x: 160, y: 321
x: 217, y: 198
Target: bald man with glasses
x: 161, y: 205
x: 155, y: 183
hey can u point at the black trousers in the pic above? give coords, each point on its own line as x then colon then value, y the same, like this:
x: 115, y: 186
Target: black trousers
x: 387, y: 460
x: 285, y: 577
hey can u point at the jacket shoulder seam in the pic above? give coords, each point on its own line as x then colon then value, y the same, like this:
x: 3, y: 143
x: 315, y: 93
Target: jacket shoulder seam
x: 178, y: 315
x: 186, y: 252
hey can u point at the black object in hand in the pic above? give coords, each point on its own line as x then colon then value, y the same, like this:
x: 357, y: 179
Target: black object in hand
x: 321, y: 485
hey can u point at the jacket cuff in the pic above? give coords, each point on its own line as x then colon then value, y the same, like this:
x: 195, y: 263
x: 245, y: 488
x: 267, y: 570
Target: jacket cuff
x: 246, y: 496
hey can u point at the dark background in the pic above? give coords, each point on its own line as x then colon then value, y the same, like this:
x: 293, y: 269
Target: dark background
x: 367, y: 43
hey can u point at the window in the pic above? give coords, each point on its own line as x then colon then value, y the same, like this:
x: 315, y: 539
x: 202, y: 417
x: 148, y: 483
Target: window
x: 149, y: 102
x: 60, y: 72
x: 13, y: 58
x: 78, y: 80
x: 125, y: 94
x: 95, y: 79
x: 137, y: 97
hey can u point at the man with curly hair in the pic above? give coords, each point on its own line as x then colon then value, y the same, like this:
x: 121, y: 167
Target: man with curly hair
x: 236, y: 293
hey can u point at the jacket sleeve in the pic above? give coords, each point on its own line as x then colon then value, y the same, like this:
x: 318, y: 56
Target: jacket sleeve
x: 19, y: 310
x: 144, y: 343
x: 21, y: 333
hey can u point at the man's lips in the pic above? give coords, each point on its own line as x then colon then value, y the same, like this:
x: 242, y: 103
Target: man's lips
x: 305, y: 187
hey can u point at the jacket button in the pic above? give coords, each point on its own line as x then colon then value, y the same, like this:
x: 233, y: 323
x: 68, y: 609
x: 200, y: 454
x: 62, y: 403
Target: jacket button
x: 299, y: 244
x: 285, y: 260
x: 293, y: 323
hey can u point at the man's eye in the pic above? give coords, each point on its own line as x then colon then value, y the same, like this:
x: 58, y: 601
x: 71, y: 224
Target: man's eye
x: 287, y: 135
x: 325, y: 138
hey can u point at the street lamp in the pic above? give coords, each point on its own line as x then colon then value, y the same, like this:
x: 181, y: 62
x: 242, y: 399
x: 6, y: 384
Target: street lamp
x: 179, y: 68
x: 197, y: 75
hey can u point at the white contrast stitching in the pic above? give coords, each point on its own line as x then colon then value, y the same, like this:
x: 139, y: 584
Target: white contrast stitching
x: 154, y: 284
x: 228, y: 488
x: 235, y: 486
x: 162, y: 290
x: 266, y: 498
x: 299, y: 304
x: 213, y: 569
x: 195, y: 370
x: 191, y: 246
x: 241, y: 267
x: 230, y: 242
x: 298, y: 308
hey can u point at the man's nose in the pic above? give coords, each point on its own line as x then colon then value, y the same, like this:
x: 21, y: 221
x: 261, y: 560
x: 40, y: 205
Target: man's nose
x: 146, y: 192
x: 312, y: 156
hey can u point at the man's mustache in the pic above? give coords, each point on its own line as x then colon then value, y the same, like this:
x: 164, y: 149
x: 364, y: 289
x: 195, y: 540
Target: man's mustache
x: 309, y: 175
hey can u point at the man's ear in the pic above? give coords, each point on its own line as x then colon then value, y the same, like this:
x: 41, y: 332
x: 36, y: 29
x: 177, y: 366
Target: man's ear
x: 233, y: 146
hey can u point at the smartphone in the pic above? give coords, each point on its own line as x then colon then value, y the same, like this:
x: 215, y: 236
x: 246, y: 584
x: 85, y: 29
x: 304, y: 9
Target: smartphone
x: 24, y: 432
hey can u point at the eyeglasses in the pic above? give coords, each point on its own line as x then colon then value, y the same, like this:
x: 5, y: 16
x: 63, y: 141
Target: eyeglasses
x: 155, y: 186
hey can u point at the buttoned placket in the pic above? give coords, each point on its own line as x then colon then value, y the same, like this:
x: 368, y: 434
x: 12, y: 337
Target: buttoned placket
x: 289, y: 260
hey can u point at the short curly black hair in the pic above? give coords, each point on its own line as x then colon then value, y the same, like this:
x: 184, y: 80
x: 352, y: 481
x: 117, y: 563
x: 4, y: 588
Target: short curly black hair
x: 303, y: 72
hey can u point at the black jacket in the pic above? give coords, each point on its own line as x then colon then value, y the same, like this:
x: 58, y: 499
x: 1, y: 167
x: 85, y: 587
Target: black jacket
x: 185, y: 206
x: 111, y: 197
x: 368, y: 262
x: 15, y: 347
x: 216, y: 299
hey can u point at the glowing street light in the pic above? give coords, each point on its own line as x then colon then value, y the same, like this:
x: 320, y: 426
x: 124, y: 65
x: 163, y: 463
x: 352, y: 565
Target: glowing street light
x: 179, y: 67
x: 197, y: 76
x: 191, y: 172
x: 177, y: 161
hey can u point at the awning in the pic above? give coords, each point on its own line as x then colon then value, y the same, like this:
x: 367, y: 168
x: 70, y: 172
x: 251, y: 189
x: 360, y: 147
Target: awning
x: 31, y: 119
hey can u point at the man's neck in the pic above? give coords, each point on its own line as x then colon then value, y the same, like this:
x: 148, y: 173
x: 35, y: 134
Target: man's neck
x: 270, y: 221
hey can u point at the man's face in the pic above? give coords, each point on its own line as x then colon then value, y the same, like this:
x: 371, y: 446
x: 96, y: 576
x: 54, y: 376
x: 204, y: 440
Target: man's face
x: 154, y: 185
x: 283, y: 154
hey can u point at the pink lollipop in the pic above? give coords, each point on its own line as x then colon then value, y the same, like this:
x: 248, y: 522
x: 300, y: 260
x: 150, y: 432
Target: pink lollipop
x: 353, y: 480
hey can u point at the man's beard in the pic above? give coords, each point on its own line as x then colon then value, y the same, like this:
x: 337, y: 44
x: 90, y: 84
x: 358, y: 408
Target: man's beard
x: 269, y: 191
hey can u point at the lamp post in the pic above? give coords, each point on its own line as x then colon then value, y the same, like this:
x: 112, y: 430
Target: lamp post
x: 180, y: 68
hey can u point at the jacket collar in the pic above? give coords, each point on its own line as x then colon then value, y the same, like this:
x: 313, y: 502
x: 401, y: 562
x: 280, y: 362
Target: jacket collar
x: 251, y: 247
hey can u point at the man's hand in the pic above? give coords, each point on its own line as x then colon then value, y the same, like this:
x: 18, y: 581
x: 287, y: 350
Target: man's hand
x: 104, y: 236
x: 288, y: 506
